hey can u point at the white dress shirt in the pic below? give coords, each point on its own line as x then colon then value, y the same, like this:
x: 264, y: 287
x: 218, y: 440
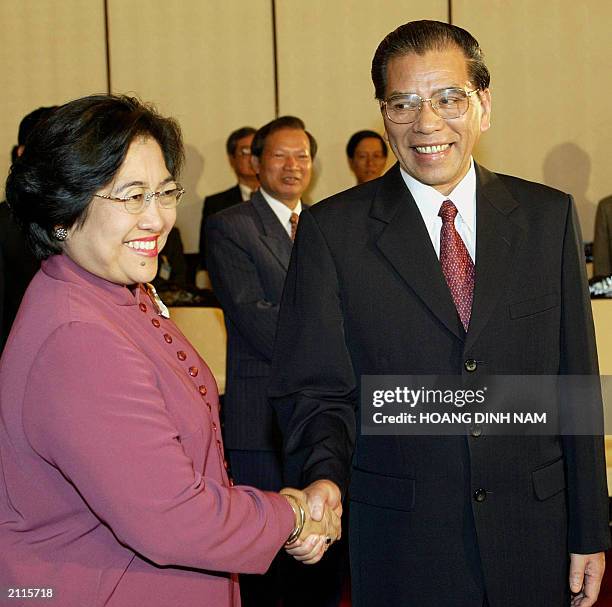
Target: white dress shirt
x: 281, y: 210
x: 245, y: 192
x: 429, y: 201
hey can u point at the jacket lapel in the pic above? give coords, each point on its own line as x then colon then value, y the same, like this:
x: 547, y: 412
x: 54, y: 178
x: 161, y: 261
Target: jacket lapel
x: 273, y: 235
x: 498, y: 234
x: 405, y: 243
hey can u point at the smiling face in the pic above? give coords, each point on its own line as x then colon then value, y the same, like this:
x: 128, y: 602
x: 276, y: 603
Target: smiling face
x: 435, y: 151
x: 114, y: 244
x: 285, y: 165
x: 368, y: 161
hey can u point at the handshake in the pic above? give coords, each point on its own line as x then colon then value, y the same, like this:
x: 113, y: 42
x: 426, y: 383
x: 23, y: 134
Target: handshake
x: 317, y: 511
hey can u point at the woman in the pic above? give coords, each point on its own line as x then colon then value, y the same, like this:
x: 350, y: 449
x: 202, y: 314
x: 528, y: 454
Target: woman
x: 113, y: 488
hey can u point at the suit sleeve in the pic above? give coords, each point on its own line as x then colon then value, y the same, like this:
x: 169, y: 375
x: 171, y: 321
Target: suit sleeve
x: 94, y: 411
x: 584, y: 455
x: 205, y: 214
x: 313, y: 387
x: 602, y: 242
x: 237, y: 284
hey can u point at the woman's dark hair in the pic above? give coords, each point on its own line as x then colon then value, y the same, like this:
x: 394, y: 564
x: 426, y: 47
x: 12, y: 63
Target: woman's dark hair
x: 75, y: 152
x: 357, y: 137
x: 422, y: 36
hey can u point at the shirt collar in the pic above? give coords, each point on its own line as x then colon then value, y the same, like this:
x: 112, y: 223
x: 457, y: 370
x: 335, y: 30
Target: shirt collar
x: 245, y: 192
x: 429, y: 200
x: 281, y: 210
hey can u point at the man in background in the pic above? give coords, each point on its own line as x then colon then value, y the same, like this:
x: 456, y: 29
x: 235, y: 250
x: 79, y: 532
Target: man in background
x: 18, y: 263
x: 602, y: 241
x: 442, y: 268
x: 238, y: 147
x: 367, y: 155
x: 248, y: 253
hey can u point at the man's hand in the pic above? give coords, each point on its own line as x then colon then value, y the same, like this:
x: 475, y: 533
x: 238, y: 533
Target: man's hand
x: 323, y: 493
x: 585, y: 575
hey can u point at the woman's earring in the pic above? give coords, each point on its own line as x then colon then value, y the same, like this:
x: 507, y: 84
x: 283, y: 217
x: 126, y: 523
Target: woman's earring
x: 60, y: 233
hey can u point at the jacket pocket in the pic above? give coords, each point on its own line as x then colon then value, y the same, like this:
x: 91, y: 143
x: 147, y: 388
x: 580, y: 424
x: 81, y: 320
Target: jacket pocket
x: 549, y: 480
x: 535, y: 305
x: 393, y: 492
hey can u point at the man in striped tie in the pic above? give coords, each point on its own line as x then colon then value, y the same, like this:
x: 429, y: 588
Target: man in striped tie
x: 442, y: 268
x: 248, y: 251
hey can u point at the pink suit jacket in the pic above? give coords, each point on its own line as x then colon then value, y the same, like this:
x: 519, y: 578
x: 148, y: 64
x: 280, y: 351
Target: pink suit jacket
x: 113, y: 489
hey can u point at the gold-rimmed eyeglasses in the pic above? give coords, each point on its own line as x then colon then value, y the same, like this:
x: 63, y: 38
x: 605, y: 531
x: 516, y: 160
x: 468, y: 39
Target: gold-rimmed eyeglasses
x: 136, y: 202
x: 447, y: 104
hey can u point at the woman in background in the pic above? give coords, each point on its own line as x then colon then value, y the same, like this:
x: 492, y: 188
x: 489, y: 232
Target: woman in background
x: 113, y: 484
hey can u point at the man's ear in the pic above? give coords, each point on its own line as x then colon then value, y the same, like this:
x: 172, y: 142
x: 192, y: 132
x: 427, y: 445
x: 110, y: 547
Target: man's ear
x: 255, y: 164
x: 485, y: 104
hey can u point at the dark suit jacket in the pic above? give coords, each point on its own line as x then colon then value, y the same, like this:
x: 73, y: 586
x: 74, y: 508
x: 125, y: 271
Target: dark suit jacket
x: 213, y: 204
x: 19, y: 267
x: 602, y: 243
x: 248, y: 256
x: 365, y: 295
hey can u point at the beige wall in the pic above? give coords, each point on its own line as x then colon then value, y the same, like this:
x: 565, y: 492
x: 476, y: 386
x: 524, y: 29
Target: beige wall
x: 550, y: 64
x: 211, y: 65
x: 51, y: 51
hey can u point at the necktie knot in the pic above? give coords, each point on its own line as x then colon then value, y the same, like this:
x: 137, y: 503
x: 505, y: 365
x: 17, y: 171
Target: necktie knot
x: 448, y: 211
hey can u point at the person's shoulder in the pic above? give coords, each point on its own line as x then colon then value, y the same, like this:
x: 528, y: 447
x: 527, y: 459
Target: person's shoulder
x: 354, y: 201
x: 521, y: 188
x: 230, y: 193
x: 606, y: 203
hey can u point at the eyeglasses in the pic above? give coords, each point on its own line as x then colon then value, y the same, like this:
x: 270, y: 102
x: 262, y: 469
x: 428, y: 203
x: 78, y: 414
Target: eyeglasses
x: 447, y: 104
x: 139, y: 201
x: 244, y: 152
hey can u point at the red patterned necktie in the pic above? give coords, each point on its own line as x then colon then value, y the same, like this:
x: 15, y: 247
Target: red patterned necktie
x: 294, y: 221
x: 457, y: 265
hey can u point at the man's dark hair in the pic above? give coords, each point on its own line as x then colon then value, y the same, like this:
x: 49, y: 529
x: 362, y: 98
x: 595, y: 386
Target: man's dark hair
x: 75, y: 152
x: 422, y: 36
x: 355, y: 139
x: 28, y: 123
x: 284, y: 122
x: 235, y: 136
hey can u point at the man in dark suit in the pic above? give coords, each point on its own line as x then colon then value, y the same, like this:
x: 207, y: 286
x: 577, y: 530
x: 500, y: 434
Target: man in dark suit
x: 602, y: 241
x: 248, y: 253
x: 19, y: 263
x: 441, y: 267
x: 238, y: 147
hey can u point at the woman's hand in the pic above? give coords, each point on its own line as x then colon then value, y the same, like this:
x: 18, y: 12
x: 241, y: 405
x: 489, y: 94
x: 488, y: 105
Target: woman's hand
x: 312, y: 538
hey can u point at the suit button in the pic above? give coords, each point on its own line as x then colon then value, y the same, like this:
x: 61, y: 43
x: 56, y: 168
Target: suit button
x: 480, y: 495
x: 470, y: 365
x: 181, y: 355
x: 231, y: 482
x: 214, y: 426
x: 168, y: 338
x: 155, y: 323
x: 193, y: 371
x: 476, y: 431
x: 225, y: 464
x: 202, y: 390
